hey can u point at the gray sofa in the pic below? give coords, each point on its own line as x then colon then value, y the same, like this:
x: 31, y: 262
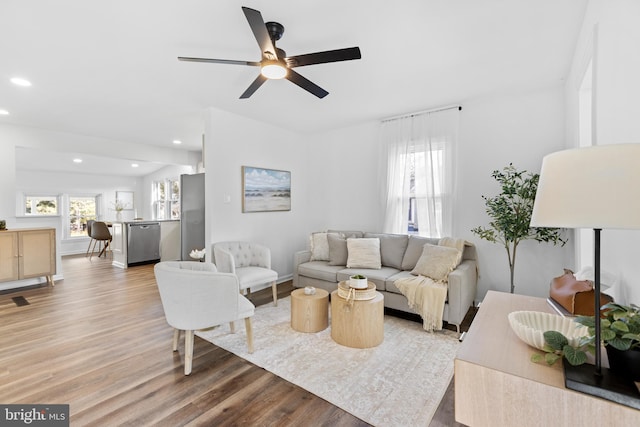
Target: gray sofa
x: 399, y: 255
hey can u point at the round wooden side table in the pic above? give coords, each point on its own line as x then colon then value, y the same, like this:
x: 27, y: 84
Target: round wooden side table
x: 309, y: 313
x: 357, y: 324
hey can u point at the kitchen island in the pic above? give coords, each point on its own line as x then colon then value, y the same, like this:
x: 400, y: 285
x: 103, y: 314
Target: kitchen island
x: 141, y: 242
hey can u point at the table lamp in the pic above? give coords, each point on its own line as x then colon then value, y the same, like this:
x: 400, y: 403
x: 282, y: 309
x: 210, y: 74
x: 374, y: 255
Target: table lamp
x: 593, y: 187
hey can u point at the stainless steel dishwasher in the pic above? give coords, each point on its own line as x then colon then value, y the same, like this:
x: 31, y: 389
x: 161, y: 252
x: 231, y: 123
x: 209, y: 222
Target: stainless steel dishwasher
x: 143, y: 242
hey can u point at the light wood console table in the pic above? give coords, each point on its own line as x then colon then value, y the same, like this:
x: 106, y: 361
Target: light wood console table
x: 496, y: 384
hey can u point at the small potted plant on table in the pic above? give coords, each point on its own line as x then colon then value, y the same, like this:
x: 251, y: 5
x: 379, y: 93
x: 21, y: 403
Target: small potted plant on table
x: 620, y: 332
x: 358, y: 281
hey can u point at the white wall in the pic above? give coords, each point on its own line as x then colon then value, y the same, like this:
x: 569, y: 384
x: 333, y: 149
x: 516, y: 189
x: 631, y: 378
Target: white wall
x: 232, y: 142
x: 495, y: 131
x: 335, y: 181
x: 616, y: 88
x: 345, y: 187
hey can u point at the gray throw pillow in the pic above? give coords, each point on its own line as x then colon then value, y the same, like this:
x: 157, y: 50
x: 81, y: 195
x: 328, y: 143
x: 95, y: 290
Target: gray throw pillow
x: 414, y: 250
x: 392, y: 248
x: 338, y: 253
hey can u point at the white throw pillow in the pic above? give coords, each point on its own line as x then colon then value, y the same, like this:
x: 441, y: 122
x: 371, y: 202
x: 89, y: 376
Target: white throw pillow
x: 319, y: 247
x: 436, y: 262
x: 364, y: 253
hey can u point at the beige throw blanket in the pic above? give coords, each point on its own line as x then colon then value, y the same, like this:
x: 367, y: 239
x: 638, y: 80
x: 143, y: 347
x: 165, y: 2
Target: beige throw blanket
x: 426, y: 297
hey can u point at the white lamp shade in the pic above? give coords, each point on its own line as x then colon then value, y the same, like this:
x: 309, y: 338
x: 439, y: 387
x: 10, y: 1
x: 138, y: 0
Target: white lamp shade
x: 593, y: 187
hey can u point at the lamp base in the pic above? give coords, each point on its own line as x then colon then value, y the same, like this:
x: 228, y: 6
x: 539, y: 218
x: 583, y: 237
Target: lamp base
x: 609, y: 385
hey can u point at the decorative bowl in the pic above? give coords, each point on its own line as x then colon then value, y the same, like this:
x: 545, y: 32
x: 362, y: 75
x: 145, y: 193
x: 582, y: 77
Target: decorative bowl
x: 530, y: 326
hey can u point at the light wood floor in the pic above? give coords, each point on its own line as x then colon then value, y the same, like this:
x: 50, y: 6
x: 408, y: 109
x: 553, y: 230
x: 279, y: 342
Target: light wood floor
x: 98, y: 341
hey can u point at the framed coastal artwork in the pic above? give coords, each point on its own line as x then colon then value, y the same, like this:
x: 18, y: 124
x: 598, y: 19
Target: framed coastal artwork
x: 265, y: 190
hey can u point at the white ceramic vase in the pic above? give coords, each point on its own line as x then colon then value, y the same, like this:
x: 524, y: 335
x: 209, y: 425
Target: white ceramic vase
x: 358, y: 283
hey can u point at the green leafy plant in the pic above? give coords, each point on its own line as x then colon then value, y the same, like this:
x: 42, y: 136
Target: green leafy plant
x: 510, y: 213
x: 557, y: 346
x: 619, y: 328
x: 358, y: 276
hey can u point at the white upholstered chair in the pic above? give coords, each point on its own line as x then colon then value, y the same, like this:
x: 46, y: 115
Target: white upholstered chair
x: 196, y: 296
x: 250, y: 262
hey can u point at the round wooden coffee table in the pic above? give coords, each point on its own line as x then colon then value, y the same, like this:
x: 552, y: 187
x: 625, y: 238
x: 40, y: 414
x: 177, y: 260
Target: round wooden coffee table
x: 309, y: 313
x: 357, y: 324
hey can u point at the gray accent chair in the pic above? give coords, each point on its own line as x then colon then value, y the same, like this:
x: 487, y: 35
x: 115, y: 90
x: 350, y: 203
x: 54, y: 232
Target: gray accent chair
x: 250, y: 262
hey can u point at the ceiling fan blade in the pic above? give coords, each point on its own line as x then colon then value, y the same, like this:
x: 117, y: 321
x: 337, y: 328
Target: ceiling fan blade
x: 254, y: 86
x: 260, y: 32
x: 346, y: 54
x: 219, y: 61
x: 305, y: 84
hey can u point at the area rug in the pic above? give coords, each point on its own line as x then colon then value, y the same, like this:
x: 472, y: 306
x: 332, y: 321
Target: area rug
x: 398, y: 383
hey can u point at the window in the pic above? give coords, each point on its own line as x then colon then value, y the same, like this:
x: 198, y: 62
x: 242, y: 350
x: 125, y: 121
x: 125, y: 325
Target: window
x: 166, y: 199
x: 41, y: 205
x: 419, y: 153
x: 81, y: 210
x: 425, y: 189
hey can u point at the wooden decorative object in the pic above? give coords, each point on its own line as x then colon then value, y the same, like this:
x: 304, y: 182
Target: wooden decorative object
x: 309, y: 313
x: 357, y: 324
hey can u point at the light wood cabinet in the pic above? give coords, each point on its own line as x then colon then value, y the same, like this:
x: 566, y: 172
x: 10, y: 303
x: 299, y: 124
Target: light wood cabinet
x: 496, y: 384
x: 28, y: 253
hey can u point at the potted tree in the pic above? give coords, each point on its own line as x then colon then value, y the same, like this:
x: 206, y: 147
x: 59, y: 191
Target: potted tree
x: 510, y: 213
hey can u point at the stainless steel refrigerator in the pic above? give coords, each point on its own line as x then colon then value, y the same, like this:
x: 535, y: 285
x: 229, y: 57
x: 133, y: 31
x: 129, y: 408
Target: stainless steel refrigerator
x: 191, y: 214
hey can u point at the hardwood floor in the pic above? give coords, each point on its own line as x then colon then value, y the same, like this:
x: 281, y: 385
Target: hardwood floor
x: 99, y: 342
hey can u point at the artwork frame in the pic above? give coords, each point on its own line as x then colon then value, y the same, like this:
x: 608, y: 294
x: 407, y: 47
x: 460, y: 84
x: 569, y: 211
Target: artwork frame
x: 126, y: 198
x: 265, y: 190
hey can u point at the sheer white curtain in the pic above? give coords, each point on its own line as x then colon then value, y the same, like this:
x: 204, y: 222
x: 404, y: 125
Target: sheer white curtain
x: 427, y: 142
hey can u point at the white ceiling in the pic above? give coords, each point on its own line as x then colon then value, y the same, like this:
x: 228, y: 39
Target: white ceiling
x: 109, y: 69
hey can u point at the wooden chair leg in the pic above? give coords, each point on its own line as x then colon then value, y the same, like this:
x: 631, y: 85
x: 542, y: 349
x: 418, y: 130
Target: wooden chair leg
x: 232, y: 327
x: 188, y: 351
x: 274, y: 289
x: 247, y: 325
x: 176, y: 338
x: 91, y: 240
x: 93, y: 248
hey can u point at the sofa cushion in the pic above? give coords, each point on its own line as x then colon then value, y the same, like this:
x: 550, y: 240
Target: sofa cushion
x: 320, y: 270
x: 319, y: 245
x: 414, y: 250
x: 337, y: 249
x: 347, y: 233
x: 392, y: 248
x: 363, y: 253
x: 436, y: 262
x: 389, y: 284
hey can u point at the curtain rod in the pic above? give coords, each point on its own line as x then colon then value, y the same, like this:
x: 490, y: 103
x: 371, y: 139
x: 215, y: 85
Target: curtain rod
x: 435, y: 110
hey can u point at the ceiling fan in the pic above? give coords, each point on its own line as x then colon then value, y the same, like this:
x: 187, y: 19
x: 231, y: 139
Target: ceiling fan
x: 275, y: 63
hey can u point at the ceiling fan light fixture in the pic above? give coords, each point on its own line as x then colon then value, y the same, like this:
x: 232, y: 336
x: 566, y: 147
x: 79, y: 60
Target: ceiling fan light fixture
x: 274, y: 70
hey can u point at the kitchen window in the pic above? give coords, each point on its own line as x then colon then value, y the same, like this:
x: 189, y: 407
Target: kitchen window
x: 41, y: 205
x: 81, y: 210
x: 166, y: 199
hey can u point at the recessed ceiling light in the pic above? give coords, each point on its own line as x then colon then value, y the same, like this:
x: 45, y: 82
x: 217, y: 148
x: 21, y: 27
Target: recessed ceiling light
x: 76, y: 160
x: 19, y: 81
x: 4, y: 113
x: 134, y: 165
x: 177, y: 141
